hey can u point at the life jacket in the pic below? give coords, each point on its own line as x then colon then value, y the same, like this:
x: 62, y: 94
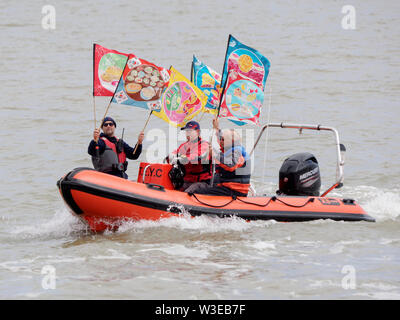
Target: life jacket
x: 111, y: 159
x: 195, y: 172
x: 236, y: 177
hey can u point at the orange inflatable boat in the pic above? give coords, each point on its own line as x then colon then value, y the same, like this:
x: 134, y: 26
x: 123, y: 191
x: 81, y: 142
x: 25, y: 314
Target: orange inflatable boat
x: 105, y: 201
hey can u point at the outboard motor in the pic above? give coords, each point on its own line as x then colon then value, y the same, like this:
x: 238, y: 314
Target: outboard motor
x: 299, y: 175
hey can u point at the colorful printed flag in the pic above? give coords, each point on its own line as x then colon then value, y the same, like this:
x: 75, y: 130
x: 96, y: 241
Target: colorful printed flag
x: 107, y: 69
x: 244, y: 75
x: 181, y: 101
x: 246, y: 61
x: 242, y: 99
x: 208, y: 81
x: 141, y: 84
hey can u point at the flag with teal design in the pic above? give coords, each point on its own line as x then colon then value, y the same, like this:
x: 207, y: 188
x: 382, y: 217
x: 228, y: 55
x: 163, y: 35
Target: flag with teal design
x: 246, y: 61
x: 208, y: 81
x: 244, y: 76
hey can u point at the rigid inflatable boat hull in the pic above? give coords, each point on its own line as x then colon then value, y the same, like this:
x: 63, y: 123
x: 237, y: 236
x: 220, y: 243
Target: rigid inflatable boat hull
x: 104, y: 201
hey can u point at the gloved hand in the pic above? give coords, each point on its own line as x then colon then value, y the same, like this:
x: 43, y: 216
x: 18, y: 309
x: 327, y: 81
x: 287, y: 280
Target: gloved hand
x: 169, y: 158
x: 174, y: 160
x: 96, y: 135
x: 182, y: 159
x: 141, y: 137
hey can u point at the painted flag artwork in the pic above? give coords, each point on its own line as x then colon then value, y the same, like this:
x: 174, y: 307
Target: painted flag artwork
x: 246, y: 61
x: 242, y: 99
x: 141, y: 84
x: 181, y: 101
x: 208, y: 81
x: 244, y: 76
x: 107, y: 69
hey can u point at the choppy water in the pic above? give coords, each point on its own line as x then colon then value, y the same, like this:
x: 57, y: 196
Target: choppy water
x: 320, y: 74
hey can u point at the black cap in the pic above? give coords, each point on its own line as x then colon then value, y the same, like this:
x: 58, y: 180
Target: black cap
x: 108, y: 119
x: 191, y: 125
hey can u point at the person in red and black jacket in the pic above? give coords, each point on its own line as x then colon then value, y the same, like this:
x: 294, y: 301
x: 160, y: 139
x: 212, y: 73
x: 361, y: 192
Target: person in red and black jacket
x: 194, y: 155
x: 233, y: 166
x: 111, y: 154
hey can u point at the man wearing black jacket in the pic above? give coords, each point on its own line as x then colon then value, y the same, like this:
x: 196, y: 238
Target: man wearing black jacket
x: 109, y: 153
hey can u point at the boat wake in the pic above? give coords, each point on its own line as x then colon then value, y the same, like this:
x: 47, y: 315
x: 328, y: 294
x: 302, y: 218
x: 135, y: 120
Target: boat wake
x: 61, y: 225
x: 381, y: 204
x: 202, y: 224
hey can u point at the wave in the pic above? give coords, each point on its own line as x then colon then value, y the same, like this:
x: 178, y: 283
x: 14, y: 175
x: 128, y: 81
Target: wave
x: 382, y: 204
x: 202, y: 224
x: 62, y: 224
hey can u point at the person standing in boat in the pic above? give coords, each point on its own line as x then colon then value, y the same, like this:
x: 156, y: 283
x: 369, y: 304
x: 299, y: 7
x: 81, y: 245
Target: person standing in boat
x: 233, y: 167
x: 194, y: 156
x: 111, y: 154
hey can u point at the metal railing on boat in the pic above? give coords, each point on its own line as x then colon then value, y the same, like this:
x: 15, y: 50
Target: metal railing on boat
x: 340, y: 148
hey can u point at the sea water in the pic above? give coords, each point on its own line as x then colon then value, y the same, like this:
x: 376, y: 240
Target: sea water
x: 321, y: 73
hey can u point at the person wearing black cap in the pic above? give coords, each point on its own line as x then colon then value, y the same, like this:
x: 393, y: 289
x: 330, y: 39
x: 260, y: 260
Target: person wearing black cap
x: 233, y: 166
x: 111, y: 154
x: 194, y: 155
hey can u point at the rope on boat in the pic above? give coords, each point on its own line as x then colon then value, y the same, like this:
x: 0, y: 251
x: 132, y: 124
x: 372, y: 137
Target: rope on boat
x: 211, y: 205
x: 294, y: 206
x: 252, y: 203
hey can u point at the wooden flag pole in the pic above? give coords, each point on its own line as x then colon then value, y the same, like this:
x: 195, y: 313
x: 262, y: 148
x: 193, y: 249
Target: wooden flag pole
x: 97, y: 146
x: 94, y: 111
x: 212, y: 133
x: 105, y: 114
x: 145, y: 125
x: 201, y: 117
x: 94, y: 114
x: 94, y: 97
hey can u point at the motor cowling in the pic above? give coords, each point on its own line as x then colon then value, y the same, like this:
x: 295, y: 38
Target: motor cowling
x: 299, y: 175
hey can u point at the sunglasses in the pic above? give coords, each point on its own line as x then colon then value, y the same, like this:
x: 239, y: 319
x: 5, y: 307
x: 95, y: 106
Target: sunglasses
x: 108, y: 124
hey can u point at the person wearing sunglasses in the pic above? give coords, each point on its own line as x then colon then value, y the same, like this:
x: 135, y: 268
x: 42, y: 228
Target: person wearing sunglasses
x: 109, y: 153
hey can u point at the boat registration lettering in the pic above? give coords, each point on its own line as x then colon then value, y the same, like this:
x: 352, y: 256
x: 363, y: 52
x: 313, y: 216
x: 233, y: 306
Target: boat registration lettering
x: 151, y: 172
x: 329, y: 202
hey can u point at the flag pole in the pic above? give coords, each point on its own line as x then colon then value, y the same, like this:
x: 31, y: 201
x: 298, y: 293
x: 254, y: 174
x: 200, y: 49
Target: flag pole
x: 145, y: 125
x: 105, y: 114
x: 266, y: 138
x: 94, y: 111
x: 212, y: 133
x: 191, y: 71
x: 201, y: 117
x: 94, y: 102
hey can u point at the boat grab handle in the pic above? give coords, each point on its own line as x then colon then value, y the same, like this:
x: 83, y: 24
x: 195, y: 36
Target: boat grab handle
x: 144, y: 172
x: 155, y: 187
